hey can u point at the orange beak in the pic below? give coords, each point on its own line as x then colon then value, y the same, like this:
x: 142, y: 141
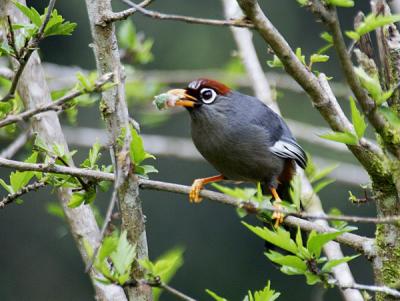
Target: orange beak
x: 185, y: 100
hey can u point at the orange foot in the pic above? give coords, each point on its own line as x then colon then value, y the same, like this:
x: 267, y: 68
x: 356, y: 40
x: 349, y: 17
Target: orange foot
x: 277, y: 216
x: 197, y: 186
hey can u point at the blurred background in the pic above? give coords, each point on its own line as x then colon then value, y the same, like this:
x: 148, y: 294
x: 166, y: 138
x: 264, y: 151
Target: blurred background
x: 38, y: 258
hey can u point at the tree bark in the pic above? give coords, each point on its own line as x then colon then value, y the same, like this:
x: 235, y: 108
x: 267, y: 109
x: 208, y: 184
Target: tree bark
x: 33, y: 89
x: 115, y: 113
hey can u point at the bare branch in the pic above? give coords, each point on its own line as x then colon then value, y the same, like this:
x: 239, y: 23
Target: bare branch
x: 56, y: 105
x: 373, y: 288
x: 349, y: 239
x: 119, y: 16
x: 14, y: 196
x: 160, y: 16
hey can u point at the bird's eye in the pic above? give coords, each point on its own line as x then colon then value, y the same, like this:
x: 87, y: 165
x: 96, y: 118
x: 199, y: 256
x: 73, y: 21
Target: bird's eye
x: 208, y: 95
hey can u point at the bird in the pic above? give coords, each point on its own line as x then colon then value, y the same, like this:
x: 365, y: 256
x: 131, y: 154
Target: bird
x: 241, y: 137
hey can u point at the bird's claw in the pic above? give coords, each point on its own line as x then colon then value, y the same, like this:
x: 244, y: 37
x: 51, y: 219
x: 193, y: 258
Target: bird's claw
x: 278, y: 216
x: 194, y: 194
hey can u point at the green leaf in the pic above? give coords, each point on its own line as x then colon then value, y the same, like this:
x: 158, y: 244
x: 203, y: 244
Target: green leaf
x: 58, y: 26
x: 76, y: 200
x: 357, y: 119
x: 372, y: 22
x: 296, y: 264
x: 215, y: 296
x: 124, y: 255
x: 299, y: 238
x: 341, y: 3
x: 275, y: 63
x: 327, y: 267
x: 31, y: 13
x: 322, y: 173
x: 137, y: 152
x: 327, y: 37
x: 322, y: 184
x: 391, y: 117
x: 299, y: 55
x: 280, y: 237
x: 370, y: 83
x: 316, y: 241
x: 295, y: 192
x: 267, y: 294
x: 243, y: 194
x: 166, y: 267
x: 311, y: 278
x: 127, y: 34
x: 302, y: 2
x: 108, y: 246
x: 342, y: 137
x: 6, y: 186
x: 19, y: 179
x: 319, y: 58
x: 352, y: 35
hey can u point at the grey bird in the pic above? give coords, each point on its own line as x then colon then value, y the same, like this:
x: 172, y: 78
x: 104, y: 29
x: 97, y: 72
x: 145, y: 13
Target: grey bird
x: 241, y: 137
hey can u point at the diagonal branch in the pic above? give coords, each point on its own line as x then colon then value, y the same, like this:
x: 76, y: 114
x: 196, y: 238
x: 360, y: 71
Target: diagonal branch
x: 57, y: 104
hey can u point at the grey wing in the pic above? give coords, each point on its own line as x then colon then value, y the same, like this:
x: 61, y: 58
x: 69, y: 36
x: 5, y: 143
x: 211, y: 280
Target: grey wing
x: 289, y: 149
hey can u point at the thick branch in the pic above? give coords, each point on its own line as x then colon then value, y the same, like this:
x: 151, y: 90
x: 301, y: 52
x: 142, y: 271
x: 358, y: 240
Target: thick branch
x: 319, y: 90
x: 115, y: 114
x: 34, y: 92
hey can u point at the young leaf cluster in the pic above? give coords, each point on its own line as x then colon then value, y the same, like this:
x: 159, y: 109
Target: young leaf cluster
x: 266, y: 294
x: 20, y: 179
x: 318, y: 178
x: 370, y: 23
x: 84, y: 191
x: 138, y: 155
x: 304, y: 259
x: 350, y: 138
x: 314, y: 58
x: 163, y: 269
x: 136, y: 46
x: 114, y: 259
x: 55, y: 26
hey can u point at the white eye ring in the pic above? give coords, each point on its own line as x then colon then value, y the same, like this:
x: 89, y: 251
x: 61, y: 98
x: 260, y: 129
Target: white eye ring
x: 210, y: 97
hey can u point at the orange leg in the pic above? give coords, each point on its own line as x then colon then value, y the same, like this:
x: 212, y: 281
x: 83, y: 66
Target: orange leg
x: 198, y: 185
x: 278, y: 216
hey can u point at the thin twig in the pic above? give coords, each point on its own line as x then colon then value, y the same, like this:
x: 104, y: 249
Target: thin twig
x: 26, y: 52
x: 56, y: 105
x: 187, y: 19
x: 14, y: 196
x: 104, y: 176
x: 16, y: 145
x: 360, y: 243
x: 373, y: 288
x: 106, y: 222
x: 119, y: 16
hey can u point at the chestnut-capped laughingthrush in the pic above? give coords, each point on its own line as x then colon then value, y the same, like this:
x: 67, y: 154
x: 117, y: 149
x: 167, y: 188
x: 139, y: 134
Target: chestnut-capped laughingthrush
x: 241, y: 137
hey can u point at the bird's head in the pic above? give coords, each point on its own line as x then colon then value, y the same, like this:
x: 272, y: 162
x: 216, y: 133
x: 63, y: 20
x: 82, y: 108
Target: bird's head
x: 201, y: 94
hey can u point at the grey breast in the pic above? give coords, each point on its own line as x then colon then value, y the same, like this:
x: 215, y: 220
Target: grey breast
x: 228, y: 138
